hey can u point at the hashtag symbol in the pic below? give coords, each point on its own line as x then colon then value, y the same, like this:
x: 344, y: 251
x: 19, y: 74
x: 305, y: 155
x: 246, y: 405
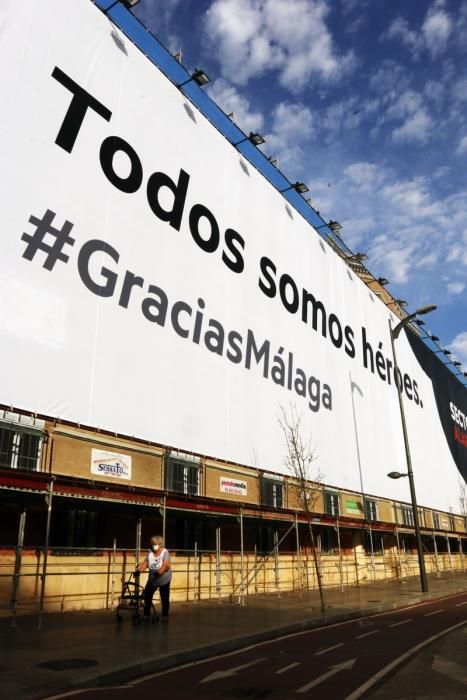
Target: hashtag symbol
x: 53, y: 251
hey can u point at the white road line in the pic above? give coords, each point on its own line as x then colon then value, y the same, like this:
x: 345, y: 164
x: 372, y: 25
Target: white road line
x: 367, y: 634
x: 463, y: 603
x: 396, y: 624
x: 324, y: 651
x: 396, y: 662
x: 287, y: 668
x: 435, y: 612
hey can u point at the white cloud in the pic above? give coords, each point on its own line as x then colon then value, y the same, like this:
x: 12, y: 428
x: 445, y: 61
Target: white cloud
x: 228, y: 97
x: 462, y: 147
x: 158, y: 14
x: 436, y: 30
x: 292, y: 124
x: 459, y: 345
x: 415, y: 129
x: 253, y: 37
x: 399, y: 29
x: 366, y: 176
x: 459, y: 90
x: 432, y: 36
x: 427, y: 262
x: 455, y: 287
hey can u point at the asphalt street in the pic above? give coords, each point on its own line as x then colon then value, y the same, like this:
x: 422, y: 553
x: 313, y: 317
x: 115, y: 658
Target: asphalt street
x: 343, y: 661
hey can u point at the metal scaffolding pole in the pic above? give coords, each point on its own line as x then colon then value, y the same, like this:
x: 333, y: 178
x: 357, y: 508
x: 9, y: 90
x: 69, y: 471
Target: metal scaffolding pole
x: 17, y: 570
x: 242, y: 590
x: 340, y: 554
x: 138, y: 542
x: 48, y: 499
x: 276, y: 562
x: 449, y: 554
x: 114, y: 559
x: 164, y: 516
x: 436, y: 556
x: 299, y: 563
x: 218, y: 562
x: 461, y: 553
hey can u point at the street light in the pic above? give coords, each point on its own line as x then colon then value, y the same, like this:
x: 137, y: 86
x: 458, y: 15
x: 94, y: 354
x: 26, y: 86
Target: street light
x: 394, y: 333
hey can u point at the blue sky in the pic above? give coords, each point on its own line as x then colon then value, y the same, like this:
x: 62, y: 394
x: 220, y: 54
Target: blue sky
x: 366, y: 102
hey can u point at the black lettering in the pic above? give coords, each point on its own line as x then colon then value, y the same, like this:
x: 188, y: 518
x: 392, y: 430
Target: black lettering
x: 287, y: 281
x: 231, y: 238
x: 269, y: 289
x: 210, y: 244
x: 234, y: 352
x: 109, y: 147
x: 338, y: 336
x: 88, y: 249
x: 349, y: 341
x: 408, y: 386
x: 177, y: 309
x: 258, y: 354
x: 179, y: 190
x: 161, y: 305
x: 318, y: 308
x: 80, y: 102
x: 367, y: 352
x: 129, y: 282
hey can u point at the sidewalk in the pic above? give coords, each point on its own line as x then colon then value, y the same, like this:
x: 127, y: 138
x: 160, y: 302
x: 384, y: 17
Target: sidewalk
x: 102, y: 651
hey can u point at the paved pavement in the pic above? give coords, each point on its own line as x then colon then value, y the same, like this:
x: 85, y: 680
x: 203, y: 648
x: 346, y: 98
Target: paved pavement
x: 76, y: 650
x: 341, y: 661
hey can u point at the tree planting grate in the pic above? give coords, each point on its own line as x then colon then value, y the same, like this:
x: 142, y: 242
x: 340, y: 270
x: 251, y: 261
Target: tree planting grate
x: 67, y: 664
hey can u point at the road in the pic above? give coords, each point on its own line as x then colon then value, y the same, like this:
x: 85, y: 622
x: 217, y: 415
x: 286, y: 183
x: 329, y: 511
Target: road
x: 345, y: 661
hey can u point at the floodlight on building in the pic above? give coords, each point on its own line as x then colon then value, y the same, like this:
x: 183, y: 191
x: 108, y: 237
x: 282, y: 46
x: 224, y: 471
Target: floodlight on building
x: 401, y: 302
x: 357, y: 257
x: 456, y: 363
x: 335, y: 227
x: 299, y: 187
x: 274, y: 162
x: 382, y: 281
x: 419, y: 322
x: 199, y: 77
x: 465, y: 374
x: 126, y: 3
x: 254, y: 138
x: 178, y: 56
x: 434, y: 338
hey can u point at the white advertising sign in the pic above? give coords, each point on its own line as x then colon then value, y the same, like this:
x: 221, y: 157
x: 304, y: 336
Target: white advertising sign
x: 234, y: 486
x: 110, y: 464
x: 153, y: 283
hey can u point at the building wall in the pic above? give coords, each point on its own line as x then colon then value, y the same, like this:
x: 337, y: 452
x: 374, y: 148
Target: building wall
x: 69, y: 452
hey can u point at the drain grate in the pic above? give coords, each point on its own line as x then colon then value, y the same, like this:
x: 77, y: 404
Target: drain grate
x: 67, y: 664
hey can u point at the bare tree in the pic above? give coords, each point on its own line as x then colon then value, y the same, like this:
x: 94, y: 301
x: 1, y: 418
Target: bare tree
x: 300, y: 456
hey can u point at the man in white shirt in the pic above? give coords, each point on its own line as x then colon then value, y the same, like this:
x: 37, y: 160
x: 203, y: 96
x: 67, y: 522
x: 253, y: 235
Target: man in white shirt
x: 160, y: 576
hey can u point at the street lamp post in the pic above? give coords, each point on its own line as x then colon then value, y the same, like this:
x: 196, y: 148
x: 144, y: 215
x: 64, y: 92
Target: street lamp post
x: 394, y: 333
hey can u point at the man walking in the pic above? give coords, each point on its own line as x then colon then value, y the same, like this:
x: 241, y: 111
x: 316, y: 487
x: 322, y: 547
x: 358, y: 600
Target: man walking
x: 160, y: 576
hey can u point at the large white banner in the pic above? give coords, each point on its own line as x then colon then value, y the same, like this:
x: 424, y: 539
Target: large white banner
x: 155, y: 284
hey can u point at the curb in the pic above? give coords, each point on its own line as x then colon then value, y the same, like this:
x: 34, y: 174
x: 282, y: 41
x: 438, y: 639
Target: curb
x: 155, y: 665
